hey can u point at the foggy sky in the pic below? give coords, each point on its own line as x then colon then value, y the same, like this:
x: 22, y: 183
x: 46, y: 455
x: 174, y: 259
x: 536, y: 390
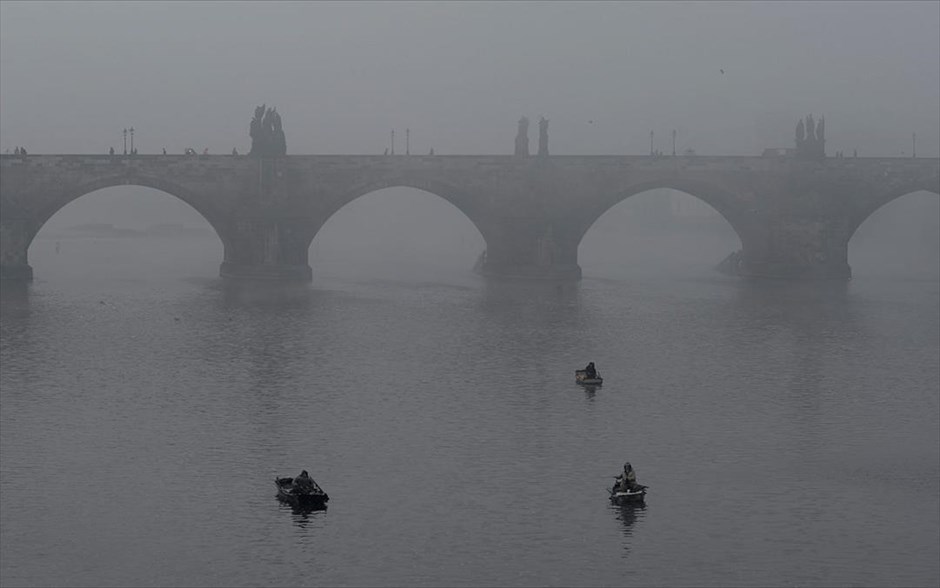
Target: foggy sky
x: 459, y: 75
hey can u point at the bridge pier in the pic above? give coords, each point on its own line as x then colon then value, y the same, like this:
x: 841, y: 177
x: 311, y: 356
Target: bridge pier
x: 15, y: 237
x: 532, y: 250
x: 265, y: 250
x: 799, y: 249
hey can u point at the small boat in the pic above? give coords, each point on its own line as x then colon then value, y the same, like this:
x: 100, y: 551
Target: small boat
x: 309, y: 497
x: 634, y: 496
x: 580, y: 377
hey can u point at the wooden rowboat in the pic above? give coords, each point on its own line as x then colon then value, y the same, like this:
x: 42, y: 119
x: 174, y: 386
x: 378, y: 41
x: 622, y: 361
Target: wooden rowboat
x: 580, y: 377
x: 307, y: 497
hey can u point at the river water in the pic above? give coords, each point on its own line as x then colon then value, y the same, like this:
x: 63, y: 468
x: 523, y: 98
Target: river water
x: 789, y: 433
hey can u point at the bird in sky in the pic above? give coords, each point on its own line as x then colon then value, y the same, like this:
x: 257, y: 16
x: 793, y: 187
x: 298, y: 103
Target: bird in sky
x: 722, y: 71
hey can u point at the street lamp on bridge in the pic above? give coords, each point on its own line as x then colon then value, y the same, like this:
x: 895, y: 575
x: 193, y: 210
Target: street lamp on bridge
x: 125, y: 141
x: 132, y: 139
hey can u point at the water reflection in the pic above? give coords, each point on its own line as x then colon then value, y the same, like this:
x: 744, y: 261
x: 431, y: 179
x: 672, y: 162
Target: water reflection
x: 18, y: 334
x: 266, y: 294
x: 526, y: 310
x: 501, y: 292
x: 799, y: 300
x: 14, y: 298
x: 260, y: 339
x: 628, y: 515
x: 802, y: 324
x: 303, y: 516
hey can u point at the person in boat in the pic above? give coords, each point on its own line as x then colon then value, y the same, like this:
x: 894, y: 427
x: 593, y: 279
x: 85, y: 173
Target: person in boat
x: 304, y: 482
x: 626, y: 481
x: 590, y: 371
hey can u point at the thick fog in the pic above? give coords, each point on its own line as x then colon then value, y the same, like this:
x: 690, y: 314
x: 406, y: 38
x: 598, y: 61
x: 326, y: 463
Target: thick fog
x: 460, y: 74
x: 729, y: 77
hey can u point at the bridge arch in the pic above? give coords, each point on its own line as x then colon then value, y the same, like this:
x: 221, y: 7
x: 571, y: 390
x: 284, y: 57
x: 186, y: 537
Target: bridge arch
x: 897, y: 234
x: 458, y: 198
x: 639, y: 232
x: 73, y: 193
x: 22, y: 231
x: 719, y: 199
x: 873, y: 205
x: 413, y: 214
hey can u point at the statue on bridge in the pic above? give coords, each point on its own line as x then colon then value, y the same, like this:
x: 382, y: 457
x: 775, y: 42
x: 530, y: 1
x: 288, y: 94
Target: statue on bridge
x: 522, y: 138
x: 543, y: 136
x: 276, y: 132
x: 267, y: 134
x: 811, y: 138
x: 256, y: 133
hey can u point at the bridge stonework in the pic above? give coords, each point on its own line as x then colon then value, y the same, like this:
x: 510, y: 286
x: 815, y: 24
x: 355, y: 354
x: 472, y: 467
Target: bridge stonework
x: 794, y: 218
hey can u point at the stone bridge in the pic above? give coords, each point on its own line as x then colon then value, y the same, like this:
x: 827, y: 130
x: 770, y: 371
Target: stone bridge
x: 794, y: 217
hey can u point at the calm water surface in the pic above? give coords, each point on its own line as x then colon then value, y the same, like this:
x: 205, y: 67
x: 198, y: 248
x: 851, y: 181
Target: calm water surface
x: 788, y: 433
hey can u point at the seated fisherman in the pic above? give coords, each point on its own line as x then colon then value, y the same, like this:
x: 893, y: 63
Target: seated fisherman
x: 590, y: 371
x: 304, y: 482
x: 626, y: 481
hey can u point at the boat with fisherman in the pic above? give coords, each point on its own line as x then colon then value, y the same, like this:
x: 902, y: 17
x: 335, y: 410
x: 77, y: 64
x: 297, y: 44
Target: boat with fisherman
x: 588, y: 376
x: 301, y: 491
x: 626, y: 490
